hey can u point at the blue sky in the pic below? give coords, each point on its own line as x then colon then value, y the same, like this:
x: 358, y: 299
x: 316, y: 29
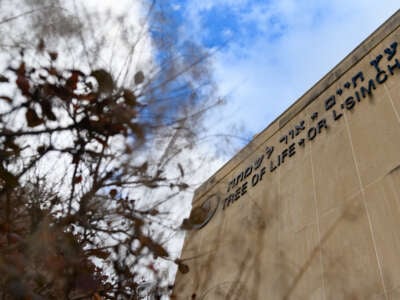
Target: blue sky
x: 273, y: 51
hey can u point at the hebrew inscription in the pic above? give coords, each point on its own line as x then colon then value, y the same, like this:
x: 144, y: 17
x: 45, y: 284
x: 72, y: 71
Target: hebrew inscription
x: 351, y: 93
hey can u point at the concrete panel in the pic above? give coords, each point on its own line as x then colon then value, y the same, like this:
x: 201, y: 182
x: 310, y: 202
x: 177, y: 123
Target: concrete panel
x: 335, y: 172
x: 375, y: 133
x: 350, y: 264
x: 383, y: 203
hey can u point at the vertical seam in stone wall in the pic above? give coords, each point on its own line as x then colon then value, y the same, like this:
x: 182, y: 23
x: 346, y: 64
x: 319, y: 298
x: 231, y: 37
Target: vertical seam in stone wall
x: 280, y: 210
x: 318, y: 225
x: 392, y: 103
x: 371, y: 231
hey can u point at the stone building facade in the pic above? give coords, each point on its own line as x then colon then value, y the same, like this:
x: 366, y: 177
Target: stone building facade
x: 310, y: 209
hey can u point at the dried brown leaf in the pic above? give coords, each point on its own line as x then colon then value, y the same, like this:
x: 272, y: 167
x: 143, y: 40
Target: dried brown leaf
x: 3, y: 78
x: 104, y: 79
x: 98, y: 253
x: 77, y: 179
x: 32, y: 118
x: 139, y: 77
x: 137, y: 129
x: 183, y: 268
x: 130, y: 98
x: 153, y: 246
x: 47, y: 110
x: 10, y: 179
x: 23, y: 85
x: 72, y: 81
x: 41, y: 45
x: 53, y: 55
x: 113, y: 193
x: 6, y: 98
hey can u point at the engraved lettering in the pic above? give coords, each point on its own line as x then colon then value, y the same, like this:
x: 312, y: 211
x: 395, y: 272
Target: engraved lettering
x: 312, y: 133
x: 248, y: 171
x: 381, y: 77
x: 375, y: 63
x: 237, y: 193
x: 255, y: 179
x: 350, y: 103
x: 272, y: 166
x: 228, y: 200
x: 392, y: 67
x: 269, y: 151
x: 330, y: 102
x: 360, y: 76
x: 391, y: 52
x: 244, y: 188
x: 262, y: 173
x: 240, y: 176
x: 322, y: 124
x: 284, y: 155
x: 336, y: 116
x: 284, y: 139
x: 364, y: 91
x: 300, y: 127
x: 358, y: 96
x: 314, y: 116
x: 292, y: 149
x: 258, y: 162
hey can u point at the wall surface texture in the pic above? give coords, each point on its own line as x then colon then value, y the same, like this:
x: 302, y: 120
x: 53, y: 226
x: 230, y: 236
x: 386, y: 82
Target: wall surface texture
x: 310, y: 209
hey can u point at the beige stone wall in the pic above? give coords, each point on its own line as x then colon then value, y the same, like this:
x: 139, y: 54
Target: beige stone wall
x: 310, y: 209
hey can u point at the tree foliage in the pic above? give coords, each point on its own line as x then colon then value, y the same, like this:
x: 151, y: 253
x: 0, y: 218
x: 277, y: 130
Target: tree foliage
x: 83, y: 147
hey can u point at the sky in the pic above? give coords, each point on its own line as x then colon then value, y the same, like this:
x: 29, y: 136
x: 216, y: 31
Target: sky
x: 270, y: 52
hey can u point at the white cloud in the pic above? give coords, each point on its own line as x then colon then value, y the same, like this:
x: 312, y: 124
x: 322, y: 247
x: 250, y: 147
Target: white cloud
x: 294, y: 44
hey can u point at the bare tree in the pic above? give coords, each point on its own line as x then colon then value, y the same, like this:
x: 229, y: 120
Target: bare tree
x: 90, y: 135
